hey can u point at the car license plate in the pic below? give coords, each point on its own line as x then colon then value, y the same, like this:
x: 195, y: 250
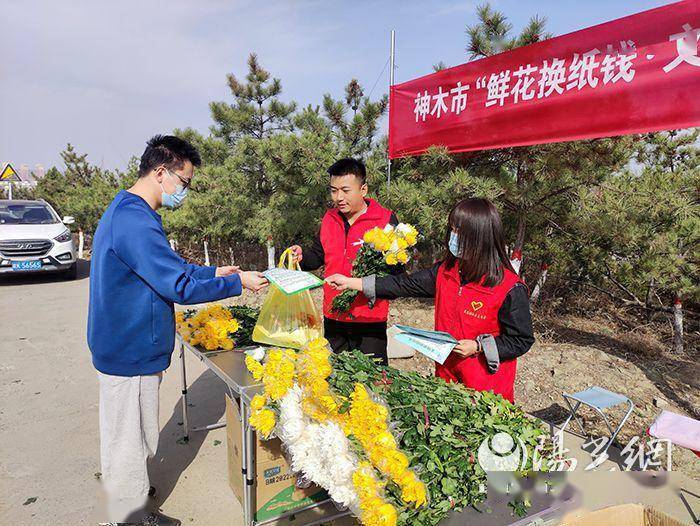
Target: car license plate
x: 26, y: 265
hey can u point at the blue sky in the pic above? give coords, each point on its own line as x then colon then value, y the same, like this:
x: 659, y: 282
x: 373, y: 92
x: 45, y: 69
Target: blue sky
x: 107, y: 75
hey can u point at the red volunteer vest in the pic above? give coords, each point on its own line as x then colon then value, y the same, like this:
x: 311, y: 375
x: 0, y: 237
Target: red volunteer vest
x: 465, y: 312
x: 340, y: 251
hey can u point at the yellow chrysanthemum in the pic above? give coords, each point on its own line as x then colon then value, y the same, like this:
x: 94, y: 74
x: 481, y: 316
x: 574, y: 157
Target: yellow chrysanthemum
x: 402, y: 256
x: 255, y: 367
x: 263, y: 421
x: 385, y: 515
x: 370, y: 236
x: 318, y: 344
x: 391, y: 259
x: 412, y: 489
x: 375, y: 511
x: 210, y: 328
x: 258, y: 402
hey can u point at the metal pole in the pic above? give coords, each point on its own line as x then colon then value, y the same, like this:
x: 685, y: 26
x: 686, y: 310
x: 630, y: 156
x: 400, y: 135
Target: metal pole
x: 186, y: 429
x: 10, y: 192
x: 392, y: 56
x: 247, y: 464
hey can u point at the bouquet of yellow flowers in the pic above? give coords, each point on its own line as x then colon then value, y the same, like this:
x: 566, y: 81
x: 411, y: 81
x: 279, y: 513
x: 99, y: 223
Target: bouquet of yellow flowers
x: 382, y: 249
x: 217, y: 327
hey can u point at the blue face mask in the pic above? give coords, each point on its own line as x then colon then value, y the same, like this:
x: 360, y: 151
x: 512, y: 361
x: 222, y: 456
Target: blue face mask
x: 175, y: 199
x: 454, y: 244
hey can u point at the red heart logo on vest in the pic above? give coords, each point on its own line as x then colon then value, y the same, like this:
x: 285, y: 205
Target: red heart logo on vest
x: 476, y: 305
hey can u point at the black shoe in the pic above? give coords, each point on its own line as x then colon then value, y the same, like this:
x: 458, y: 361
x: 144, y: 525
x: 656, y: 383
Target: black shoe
x: 158, y: 519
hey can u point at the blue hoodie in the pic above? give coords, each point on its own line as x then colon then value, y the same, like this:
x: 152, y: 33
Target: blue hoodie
x: 135, y: 278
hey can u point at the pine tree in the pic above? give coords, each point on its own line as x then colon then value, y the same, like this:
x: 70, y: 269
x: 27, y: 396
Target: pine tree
x: 492, y: 34
x: 256, y: 111
x: 354, y: 121
x: 636, y: 236
x: 82, y: 190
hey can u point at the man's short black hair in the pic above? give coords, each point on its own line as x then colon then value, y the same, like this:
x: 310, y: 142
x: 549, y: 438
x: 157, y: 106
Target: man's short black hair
x: 169, y: 151
x: 349, y: 166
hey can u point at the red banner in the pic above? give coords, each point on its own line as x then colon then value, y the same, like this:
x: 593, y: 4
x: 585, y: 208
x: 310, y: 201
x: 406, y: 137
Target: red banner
x: 637, y: 74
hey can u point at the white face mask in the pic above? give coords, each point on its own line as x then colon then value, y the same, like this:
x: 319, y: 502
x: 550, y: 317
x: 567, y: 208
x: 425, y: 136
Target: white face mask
x: 175, y: 199
x: 454, y: 244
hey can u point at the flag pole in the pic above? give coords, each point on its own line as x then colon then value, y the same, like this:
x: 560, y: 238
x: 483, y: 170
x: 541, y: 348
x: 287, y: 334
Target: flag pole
x: 392, y: 56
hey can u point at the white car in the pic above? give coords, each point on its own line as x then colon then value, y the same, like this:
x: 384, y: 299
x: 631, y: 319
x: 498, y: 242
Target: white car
x: 33, y: 238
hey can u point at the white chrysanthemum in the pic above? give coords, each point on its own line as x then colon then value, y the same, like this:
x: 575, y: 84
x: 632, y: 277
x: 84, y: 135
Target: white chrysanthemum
x: 402, y: 229
x: 290, y: 431
x: 345, y: 496
x: 388, y: 229
x: 290, y: 405
x: 258, y: 354
x: 320, y: 452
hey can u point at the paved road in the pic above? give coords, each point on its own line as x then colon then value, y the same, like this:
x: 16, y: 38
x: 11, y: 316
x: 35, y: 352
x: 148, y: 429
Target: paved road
x: 49, y: 447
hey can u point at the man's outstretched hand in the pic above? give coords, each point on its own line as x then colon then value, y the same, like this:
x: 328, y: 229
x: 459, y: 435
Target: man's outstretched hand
x: 253, y: 281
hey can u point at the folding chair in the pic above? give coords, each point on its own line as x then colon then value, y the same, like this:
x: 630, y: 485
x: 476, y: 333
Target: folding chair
x: 598, y: 399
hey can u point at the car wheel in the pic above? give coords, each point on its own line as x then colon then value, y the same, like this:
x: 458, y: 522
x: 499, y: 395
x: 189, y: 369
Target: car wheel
x: 72, y: 272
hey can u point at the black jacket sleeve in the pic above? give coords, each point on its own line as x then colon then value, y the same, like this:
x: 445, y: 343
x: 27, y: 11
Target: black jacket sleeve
x: 313, y: 256
x: 420, y: 284
x: 515, y: 320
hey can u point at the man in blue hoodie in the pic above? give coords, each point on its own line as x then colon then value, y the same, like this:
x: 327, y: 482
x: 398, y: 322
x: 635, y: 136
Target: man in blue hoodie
x: 135, y: 280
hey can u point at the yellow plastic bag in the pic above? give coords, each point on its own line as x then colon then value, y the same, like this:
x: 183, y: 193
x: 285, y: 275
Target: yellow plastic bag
x: 288, y: 321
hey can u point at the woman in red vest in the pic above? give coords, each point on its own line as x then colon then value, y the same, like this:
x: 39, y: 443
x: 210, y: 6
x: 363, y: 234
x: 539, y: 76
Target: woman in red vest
x: 479, y: 299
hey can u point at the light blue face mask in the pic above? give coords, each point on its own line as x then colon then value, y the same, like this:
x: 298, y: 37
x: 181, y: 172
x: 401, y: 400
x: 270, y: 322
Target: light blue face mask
x: 175, y: 199
x: 454, y: 244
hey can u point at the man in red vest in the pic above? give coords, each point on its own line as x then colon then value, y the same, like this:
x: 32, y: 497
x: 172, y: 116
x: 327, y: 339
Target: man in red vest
x: 335, y: 248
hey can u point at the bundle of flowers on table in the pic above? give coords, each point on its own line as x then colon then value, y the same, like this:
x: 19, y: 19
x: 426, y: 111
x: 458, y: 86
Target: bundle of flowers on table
x: 392, y: 446
x: 217, y: 326
x: 382, y: 250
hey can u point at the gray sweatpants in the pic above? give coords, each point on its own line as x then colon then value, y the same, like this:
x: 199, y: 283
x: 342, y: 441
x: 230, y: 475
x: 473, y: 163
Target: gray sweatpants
x: 128, y: 436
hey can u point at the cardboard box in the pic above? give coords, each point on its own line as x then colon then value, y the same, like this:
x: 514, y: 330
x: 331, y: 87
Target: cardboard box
x: 625, y: 515
x: 275, y: 490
